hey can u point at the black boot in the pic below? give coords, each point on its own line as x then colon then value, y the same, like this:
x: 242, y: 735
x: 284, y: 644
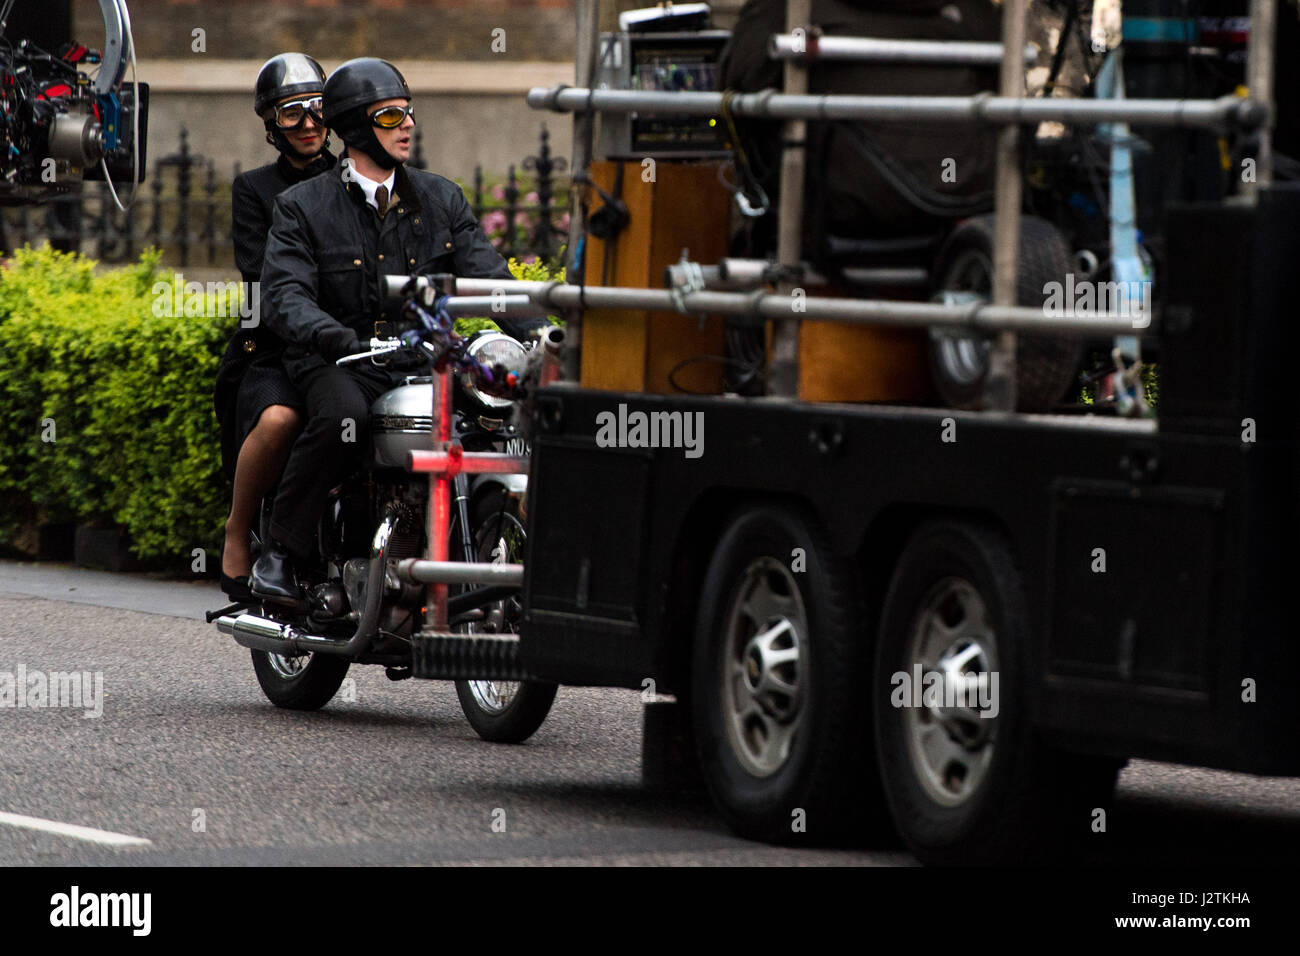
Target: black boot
x: 273, y: 573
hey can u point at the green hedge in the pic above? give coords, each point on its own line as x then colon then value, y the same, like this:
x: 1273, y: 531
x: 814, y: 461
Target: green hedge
x: 129, y: 398
x: 129, y: 393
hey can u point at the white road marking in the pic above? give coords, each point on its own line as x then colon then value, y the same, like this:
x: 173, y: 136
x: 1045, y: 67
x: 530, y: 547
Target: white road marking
x: 89, y: 834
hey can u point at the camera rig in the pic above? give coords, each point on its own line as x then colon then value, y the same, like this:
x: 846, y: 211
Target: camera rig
x: 67, y: 116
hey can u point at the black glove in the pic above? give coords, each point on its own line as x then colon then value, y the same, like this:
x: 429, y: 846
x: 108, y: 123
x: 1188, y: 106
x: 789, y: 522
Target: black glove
x: 337, y: 341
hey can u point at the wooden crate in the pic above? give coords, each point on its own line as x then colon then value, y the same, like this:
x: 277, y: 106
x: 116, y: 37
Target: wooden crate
x: 635, y: 350
x: 856, y: 363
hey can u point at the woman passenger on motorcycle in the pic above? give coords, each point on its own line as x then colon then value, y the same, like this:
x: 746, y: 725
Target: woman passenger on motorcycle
x: 259, y: 410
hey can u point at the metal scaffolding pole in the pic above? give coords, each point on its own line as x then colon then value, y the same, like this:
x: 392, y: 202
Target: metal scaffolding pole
x: 458, y: 572
x: 1259, y: 80
x: 1000, y: 384
x: 783, y: 371
x: 788, y: 46
x: 761, y: 306
x: 587, y: 43
x: 1218, y: 114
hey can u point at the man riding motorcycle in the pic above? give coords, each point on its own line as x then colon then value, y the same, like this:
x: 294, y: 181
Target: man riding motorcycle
x: 257, y: 406
x: 332, y: 240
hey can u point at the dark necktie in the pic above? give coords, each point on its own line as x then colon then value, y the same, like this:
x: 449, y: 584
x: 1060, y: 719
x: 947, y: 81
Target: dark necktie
x: 381, y: 200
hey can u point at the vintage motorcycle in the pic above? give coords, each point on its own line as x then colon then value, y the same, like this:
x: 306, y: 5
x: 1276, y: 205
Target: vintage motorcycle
x: 354, y: 607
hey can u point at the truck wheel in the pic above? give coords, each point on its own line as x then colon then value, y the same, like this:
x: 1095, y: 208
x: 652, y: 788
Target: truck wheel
x: 1046, y: 364
x: 778, y: 711
x: 964, y: 787
x: 301, y: 681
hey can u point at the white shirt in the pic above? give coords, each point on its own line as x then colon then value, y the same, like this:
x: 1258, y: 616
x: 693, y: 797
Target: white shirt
x: 370, y: 187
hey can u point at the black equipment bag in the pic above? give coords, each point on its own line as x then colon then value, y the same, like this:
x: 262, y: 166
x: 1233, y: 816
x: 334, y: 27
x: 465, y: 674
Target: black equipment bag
x: 873, y: 180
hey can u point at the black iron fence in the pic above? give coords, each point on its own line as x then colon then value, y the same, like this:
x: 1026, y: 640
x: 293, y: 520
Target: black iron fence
x: 183, y: 208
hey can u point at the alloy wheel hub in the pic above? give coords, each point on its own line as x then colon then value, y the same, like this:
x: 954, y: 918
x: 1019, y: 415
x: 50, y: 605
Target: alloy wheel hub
x: 951, y: 743
x: 762, y: 667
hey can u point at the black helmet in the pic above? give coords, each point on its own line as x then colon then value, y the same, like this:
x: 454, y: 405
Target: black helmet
x: 353, y: 87
x: 360, y: 82
x: 285, y: 75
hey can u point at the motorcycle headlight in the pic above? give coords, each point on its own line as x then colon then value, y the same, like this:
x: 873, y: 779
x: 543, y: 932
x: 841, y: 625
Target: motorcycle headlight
x: 493, y: 348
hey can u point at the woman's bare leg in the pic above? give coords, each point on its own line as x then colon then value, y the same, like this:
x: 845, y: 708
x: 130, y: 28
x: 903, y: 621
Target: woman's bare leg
x: 261, y: 459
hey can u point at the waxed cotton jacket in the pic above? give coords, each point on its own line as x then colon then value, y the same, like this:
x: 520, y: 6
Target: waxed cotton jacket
x: 328, y: 249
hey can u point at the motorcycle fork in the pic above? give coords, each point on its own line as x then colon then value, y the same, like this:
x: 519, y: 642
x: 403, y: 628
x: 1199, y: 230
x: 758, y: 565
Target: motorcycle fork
x: 461, y: 486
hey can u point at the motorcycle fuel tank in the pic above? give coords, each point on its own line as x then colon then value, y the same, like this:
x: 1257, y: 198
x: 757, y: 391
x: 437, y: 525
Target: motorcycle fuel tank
x: 401, y: 421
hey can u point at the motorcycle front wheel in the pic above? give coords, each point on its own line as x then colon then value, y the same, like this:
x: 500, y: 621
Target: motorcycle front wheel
x: 506, y: 712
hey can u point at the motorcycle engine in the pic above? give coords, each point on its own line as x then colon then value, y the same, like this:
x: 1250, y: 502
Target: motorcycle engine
x: 400, y: 598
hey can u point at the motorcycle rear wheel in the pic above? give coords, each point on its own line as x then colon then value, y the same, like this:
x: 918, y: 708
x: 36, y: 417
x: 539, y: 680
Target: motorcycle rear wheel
x: 294, y: 681
x: 299, y: 682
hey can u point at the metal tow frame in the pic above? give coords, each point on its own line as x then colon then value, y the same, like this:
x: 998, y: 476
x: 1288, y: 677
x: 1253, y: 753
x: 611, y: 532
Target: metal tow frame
x: 801, y: 43
x: 795, y: 107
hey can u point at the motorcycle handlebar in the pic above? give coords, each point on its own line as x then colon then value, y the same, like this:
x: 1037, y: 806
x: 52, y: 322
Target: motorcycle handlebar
x: 385, y: 346
x: 496, y: 379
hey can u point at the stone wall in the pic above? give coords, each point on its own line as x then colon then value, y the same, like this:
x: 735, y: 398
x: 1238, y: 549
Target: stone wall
x: 468, y: 94
x: 489, y: 125
x: 469, y: 99
x: 340, y: 29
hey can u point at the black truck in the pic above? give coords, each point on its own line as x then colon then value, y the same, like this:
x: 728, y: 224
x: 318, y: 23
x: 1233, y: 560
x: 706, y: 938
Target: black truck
x: 963, y: 621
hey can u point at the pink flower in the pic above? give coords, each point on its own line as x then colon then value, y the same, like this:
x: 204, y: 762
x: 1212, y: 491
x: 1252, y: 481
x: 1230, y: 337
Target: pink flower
x: 531, y: 197
x: 493, y: 222
x: 499, y: 192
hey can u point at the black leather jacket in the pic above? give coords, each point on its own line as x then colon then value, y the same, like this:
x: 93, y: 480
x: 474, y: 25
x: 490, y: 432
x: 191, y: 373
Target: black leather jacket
x: 328, y: 249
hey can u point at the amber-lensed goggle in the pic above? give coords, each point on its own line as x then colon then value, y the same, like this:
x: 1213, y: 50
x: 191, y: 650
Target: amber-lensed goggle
x: 391, y: 117
x: 291, y: 115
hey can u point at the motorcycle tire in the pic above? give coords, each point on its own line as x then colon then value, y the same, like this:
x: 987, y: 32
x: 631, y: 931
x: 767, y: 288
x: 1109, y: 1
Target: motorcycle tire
x: 507, y: 712
x: 308, y: 682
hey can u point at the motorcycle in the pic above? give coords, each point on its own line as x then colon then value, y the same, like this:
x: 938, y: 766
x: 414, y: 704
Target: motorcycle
x: 354, y: 608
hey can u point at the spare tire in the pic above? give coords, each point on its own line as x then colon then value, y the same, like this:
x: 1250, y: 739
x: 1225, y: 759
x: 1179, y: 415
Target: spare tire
x: 1046, y: 363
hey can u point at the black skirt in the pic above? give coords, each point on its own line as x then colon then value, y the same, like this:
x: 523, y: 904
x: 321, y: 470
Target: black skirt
x: 248, y: 382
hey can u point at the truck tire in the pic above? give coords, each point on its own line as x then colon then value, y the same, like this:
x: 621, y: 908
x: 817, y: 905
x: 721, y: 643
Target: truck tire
x: 964, y: 788
x: 1046, y: 364
x: 780, y: 652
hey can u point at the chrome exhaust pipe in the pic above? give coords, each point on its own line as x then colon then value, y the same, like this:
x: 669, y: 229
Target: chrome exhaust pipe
x: 365, y: 632
x: 264, y: 634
